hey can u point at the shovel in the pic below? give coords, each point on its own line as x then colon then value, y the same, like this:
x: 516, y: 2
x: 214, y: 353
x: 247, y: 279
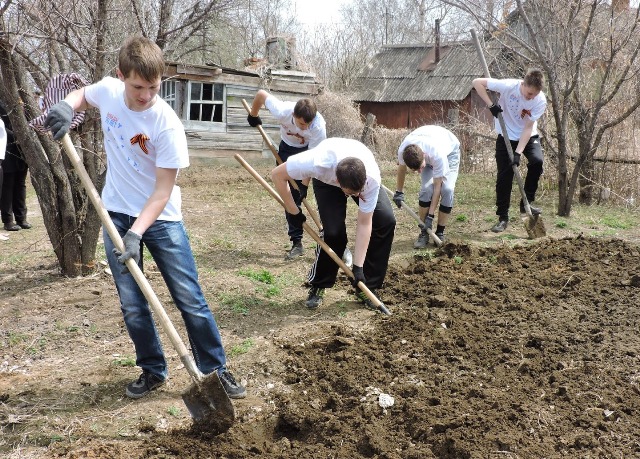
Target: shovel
x: 435, y: 238
x: 533, y: 224
x: 316, y: 237
x: 206, y: 399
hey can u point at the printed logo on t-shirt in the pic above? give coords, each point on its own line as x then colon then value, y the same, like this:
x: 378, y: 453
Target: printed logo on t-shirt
x: 296, y: 135
x: 524, y: 113
x: 112, y: 120
x: 140, y: 139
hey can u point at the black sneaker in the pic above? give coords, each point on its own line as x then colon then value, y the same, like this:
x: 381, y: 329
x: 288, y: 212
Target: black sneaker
x: 364, y: 299
x: 422, y: 240
x: 24, y: 225
x: 295, y: 251
x: 315, y: 297
x: 231, y: 387
x: 535, y: 211
x: 500, y: 226
x: 145, y: 384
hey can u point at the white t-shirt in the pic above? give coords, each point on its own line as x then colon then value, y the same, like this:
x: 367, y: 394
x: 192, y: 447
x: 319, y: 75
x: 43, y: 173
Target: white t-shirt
x: 516, y: 109
x: 136, y: 144
x: 321, y: 162
x: 290, y: 133
x: 3, y: 140
x: 436, y: 142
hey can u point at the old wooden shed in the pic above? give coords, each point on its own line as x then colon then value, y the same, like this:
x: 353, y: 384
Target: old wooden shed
x: 407, y: 86
x: 208, y: 99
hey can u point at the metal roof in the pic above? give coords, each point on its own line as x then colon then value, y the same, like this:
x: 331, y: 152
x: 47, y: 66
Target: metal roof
x: 395, y: 75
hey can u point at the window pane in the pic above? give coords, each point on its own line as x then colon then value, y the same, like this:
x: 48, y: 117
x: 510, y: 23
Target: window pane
x: 207, y: 91
x: 207, y: 112
x: 196, y: 91
x: 194, y: 112
x: 219, y: 91
x: 217, y: 113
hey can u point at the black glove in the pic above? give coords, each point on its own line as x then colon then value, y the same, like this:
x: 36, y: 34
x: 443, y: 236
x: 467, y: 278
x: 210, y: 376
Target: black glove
x: 358, y: 276
x: 254, y: 120
x: 297, y: 219
x: 131, y: 242
x: 495, y: 110
x: 428, y: 221
x: 398, y: 198
x: 59, y: 119
x: 303, y: 190
x: 516, y: 159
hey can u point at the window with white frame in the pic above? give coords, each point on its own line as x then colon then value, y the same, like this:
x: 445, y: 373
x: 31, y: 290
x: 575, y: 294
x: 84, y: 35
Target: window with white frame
x: 168, y: 92
x: 206, y: 101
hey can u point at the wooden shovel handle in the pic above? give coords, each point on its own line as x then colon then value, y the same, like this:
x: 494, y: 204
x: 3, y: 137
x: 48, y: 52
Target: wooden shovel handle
x: 134, y: 269
x: 315, y: 237
x: 410, y: 211
x: 293, y: 183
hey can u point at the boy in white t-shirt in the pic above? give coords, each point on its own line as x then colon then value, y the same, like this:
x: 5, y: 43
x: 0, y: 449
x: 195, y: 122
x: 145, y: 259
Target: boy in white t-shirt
x: 434, y: 152
x: 301, y: 127
x: 342, y: 168
x: 146, y: 146
x: 522, y: 103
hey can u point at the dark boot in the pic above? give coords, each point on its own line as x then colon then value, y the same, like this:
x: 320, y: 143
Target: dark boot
x: 11, y: 226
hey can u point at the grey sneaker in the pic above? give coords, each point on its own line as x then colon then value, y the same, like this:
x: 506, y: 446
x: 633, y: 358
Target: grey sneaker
x: 315, y: 297
x: 500, y: 226
x: 441, y: 237
x: 347, y: 258
x: 422, y: 240
x: 231, y: 387
x: 295, y: 252
x: 145, y: 384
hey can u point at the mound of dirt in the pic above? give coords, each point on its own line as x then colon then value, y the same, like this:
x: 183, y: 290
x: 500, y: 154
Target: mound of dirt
x: 527, y: 351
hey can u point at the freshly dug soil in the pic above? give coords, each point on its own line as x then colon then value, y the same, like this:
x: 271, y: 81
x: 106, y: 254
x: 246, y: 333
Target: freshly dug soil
x: 506, y: 352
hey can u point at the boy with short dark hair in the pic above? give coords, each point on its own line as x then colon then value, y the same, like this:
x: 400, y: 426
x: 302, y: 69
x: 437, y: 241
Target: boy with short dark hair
x: 342, y: 168
x: 146, y: 146
x: 522, y: 103
x: 301, y: 128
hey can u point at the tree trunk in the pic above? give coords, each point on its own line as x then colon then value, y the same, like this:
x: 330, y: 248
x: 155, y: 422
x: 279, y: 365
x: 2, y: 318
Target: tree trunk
x: 585, y: 182
x: 67, y: 216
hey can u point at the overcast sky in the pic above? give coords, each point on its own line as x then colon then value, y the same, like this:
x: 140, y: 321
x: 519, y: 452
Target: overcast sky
x: 317, y: 11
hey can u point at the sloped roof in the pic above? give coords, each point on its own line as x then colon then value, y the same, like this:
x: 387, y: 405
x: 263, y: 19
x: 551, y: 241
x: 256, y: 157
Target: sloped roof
x: 407, y: 73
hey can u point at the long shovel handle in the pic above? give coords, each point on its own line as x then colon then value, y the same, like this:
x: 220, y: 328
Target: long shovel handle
x: 134, y: 269
x: 503, y: 128
x: 410, y: 211
x: 316, y: 237
x: 293, y: 183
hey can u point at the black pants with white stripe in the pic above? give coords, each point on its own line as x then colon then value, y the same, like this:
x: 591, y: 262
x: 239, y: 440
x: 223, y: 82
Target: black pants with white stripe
x: 332, y: 207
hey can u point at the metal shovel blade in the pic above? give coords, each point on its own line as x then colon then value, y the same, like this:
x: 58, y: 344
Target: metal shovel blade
x: 534, y: 226
x: 209, y: 404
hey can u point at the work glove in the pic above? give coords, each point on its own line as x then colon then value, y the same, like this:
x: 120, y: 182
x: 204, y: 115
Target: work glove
x: 358, y: 275
x: 495, y: 110
x: 297, y: 219
x: 131, y: 242
x: 302, y: 188
x: 398, y: 198
x: 254, y: 120
x: 428, y: 221
x: 59, y: 119
x: 516, y: 159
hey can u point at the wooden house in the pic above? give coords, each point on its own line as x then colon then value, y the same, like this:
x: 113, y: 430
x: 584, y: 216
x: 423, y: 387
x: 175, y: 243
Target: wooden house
x: 208, y: 99
x: 407, y: 86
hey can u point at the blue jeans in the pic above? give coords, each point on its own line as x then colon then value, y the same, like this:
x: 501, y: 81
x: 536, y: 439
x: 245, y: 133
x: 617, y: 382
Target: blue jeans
x: 168, y: 243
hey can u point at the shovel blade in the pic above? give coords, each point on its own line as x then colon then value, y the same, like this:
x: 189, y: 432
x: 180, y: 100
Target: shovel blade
x: 535, y: 227
x: 209, y: 404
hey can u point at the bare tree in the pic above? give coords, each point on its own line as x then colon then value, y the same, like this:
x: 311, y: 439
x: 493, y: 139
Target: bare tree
x: 40, y: 39
x: 589, y: 52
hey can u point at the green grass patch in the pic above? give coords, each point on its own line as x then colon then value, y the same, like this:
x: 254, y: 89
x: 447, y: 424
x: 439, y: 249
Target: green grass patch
x: 241, y: 348
x: 126, y: 361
